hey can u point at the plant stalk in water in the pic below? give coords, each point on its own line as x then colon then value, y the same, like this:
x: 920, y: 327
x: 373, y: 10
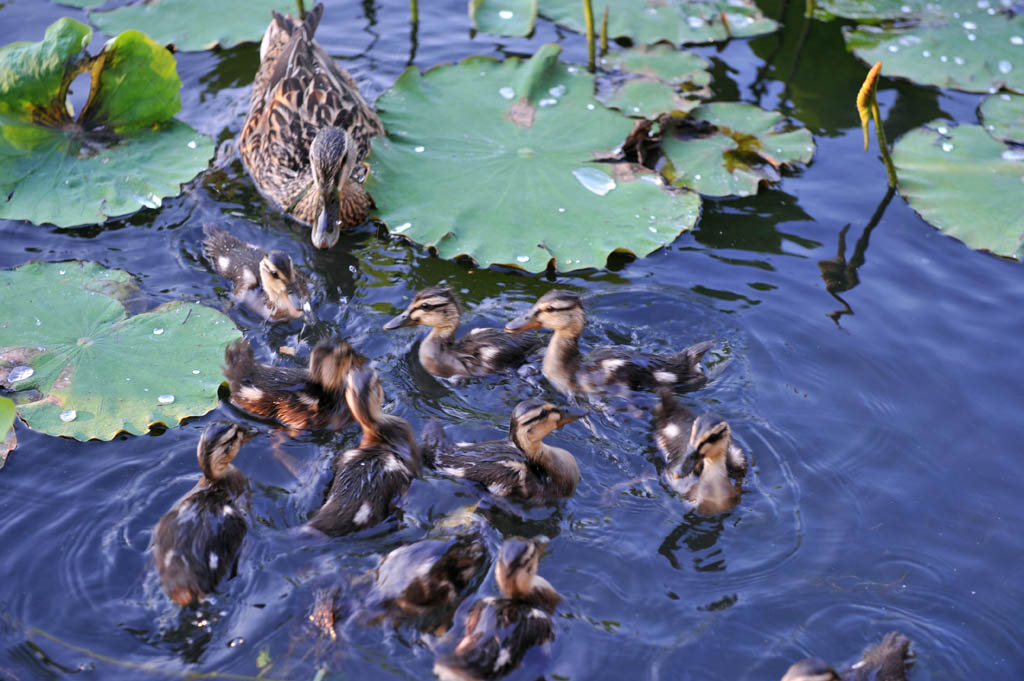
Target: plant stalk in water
x: 867, y: 107
x: 302, y: 8
x: 604, y: 33
x: 588, y: 17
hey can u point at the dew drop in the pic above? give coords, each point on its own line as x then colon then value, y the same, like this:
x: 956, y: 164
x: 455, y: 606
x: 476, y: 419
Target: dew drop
x: 1016, y: 40
x: 547, y: 101
x: 943, y: 59
x: 1005, y: 97
x: 893, y: 48
x: 507, y: 92
x: 419, y: 150
x: 594, y: 180
x: 68, y: 415
x: 959, y: 61
x: 970, y: 25
x: 20, y: 373
x: 158, y: 331
x: 925, y: 53
x: 523, y: 258
x: 1013, y: 155
x: 694, y: 22
x: 561, y: 210
x: 62, y: 271
x: 195, y: 371
x: 943, y: 130
x: 573, y: 70
x: 982, y: 4
x: 652, y: 230
x: 590, y: 107
x: 506, y: 14
x: 971, y: 37
x: 1005, y: 66
x: 697, y: 176
x: 905, y: 9
x: 192, y: 144
x: 402, y: 228
x: 947, y: 146
x: 166, y: 398
x: 557, y: 91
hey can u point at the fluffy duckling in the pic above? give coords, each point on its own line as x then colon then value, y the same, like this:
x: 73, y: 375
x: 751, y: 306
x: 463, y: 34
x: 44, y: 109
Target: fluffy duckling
x: 498, y: 632
x: 887, y: 661
x: 606, y: 367
x: 700, y: 455
x: 266, y: 283
x: 520, y: 467
x: 308, y: 399
x: 369, y: 479
x: 478, y: 353
x: 428, y: 574
x: 196, y: 543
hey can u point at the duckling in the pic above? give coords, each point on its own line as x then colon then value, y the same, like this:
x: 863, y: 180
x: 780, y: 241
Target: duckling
x: 307, y: 399
x: 498, y: 632
x: 369, y: 479
x: 478, y: 353
x: 698, y: 467
x: 428, y: 574
x: 276, y: 293
x: 307, y: 130
x: 887, y: 661
x: 520, y: 467
x: 605, y: 367
x: 196, y: 543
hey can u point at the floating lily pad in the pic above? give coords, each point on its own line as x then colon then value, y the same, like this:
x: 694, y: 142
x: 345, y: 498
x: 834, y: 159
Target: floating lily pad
x: 956, y: 45
x: 8, y: 440
x: 871, y: 10
x: 673, y: 80
x: 676, y: 21
x: 83, y: 369
x: 123, y: 151
x: 495, y: 160
x: 644, y: 98
x: 1003, y: 116
x: 194, y: 25
x: 966, y: 183
x: 737, y: 147
x: 504, y: 17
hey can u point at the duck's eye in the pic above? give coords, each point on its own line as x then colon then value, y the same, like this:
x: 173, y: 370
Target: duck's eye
x: 549, y: 308
x: 274, y: 274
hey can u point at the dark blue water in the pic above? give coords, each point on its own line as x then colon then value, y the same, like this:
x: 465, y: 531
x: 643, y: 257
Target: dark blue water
x: 882, y: 419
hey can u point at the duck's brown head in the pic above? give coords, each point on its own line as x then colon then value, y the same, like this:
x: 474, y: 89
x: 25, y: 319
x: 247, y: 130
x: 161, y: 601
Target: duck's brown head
x: 332, y: 157
x: 218, y: 446
x: 435, y: 306
x: 557, y: 309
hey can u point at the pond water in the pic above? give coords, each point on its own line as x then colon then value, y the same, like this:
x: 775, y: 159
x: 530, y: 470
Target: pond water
x: 880, y: 420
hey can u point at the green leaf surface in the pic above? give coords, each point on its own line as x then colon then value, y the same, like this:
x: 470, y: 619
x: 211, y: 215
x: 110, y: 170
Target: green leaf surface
x: 494, y: 160
x: 124, y: 151
x: 966, y: 183
x: 504, y: 17
x: 644, y: 98
x: 1003, y: 116
x: 746, y: 145
x: 194, y: 25
x: 872, y: 10
x: 94, y: 371
x: 953, y: 46
x: 662, y: 62
x: 675, y: 21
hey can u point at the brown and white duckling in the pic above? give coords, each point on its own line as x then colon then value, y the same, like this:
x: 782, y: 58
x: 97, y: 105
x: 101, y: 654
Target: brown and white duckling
x: 887, y: 661
x: 478, y: 353
x: 606, y: 367
x: 498, y: 632
x: 520, y: 467
x: 266, y: 283
x: 309, y: 399
x: 700, y: 455
x: 369, y: 479
x: 196, y: 543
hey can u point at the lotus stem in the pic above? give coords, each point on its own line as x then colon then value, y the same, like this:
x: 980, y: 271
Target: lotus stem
x: 302, y: 9
x: 604, y: 32
x: 811, y: 6
x: 588, y: 17
x: 414, y: 27
x: 414, y: 10
x: 867, y: 107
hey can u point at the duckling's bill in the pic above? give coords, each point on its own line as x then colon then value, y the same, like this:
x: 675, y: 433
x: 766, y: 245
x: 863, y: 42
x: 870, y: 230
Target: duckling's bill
x: 401, y: 320
x: 524, y: 323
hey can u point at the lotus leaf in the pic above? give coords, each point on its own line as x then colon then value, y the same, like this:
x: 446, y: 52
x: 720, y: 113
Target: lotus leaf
x: 504, y: 17
x: 1003, y: 116
x: 870, y: 11
x: 122, y: 152
x: 194, y: 25
x: 495, y: 160
x: 962, y: 46
x: 966, y: 183
x: 644, y: 98
x: 675, y: 21
x: 8, y: 439
x: 744, y: 148
x: 666, y: 70
x: 84, y: 369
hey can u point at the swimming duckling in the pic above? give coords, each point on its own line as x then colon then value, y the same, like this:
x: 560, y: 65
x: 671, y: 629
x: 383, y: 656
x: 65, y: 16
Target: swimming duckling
x: 310, y: 399
x: 196, y: 543
x: 887, y: 661
x: 498, y: 632
x: 369, y: 479
x: 520, y: 467
x: 267, y: 283
x: 700, y: 455
x: 606, y: 367
x: 478, y: 353
x: 428, y: 574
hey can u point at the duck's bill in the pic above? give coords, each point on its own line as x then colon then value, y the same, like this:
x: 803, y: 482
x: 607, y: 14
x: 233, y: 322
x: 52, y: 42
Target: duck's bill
x: 325, y: 230
x: 571, y: 414
x: 524, y: 323
x: 399, y: 321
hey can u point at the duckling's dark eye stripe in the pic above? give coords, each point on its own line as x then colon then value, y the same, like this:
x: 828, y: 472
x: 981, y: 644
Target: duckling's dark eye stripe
x: 715, y: 437
x: 543, y: 414
x: 552, y: 308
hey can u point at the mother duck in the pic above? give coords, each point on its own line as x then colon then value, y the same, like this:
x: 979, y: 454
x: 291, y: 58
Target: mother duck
x: 308, y: 130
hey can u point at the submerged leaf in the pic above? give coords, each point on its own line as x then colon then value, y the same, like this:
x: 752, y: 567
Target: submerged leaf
x: 504, y: 17
x: 1003, y: 116
x: 967, y: 184
x: 495, y: 160
x: 83, y: 369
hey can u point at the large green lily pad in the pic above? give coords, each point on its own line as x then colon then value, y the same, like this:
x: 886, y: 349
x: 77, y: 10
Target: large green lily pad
x: 676, y: 21
x: 966, y: 183
x: 1003, y: 116
x: 737, y: 147
x: 504, y: 17
x: 672, y: 80
x: 84, y: 369
x: 952, y: 45
x: 122, y: 152
x: 495, y: 160
x: 192, y: 25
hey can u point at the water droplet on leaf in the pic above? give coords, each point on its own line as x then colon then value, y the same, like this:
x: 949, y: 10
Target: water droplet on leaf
x: 20, y: 373
x: 507, y: 92
x: 166, y: 398
x: 68, y: 415
x: 1005, y: 67
x: 402, y: 228
x: 506, y: 14
x: 158, y: 331
x: 947, y: 146
x: 594, y: 180
x: 419, y: 150
x: 523, y: 258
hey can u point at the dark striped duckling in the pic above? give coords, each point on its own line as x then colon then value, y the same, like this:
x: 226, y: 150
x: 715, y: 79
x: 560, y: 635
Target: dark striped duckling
x: 369, y: 479
x: 887, y: 661
x: 498, y: 632
x: 478, y: 353
x: 700, y: 455
x: 310, y: 399
x: 520, y: 467
x: 266, y: 283
x: 196, y: 543
x: 606, y: 367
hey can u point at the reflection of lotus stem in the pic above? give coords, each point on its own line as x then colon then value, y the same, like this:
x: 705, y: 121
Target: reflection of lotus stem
x: 588, y: 17
x: 867, y: 106
x: 604, y: 33
x: 302, y: 9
